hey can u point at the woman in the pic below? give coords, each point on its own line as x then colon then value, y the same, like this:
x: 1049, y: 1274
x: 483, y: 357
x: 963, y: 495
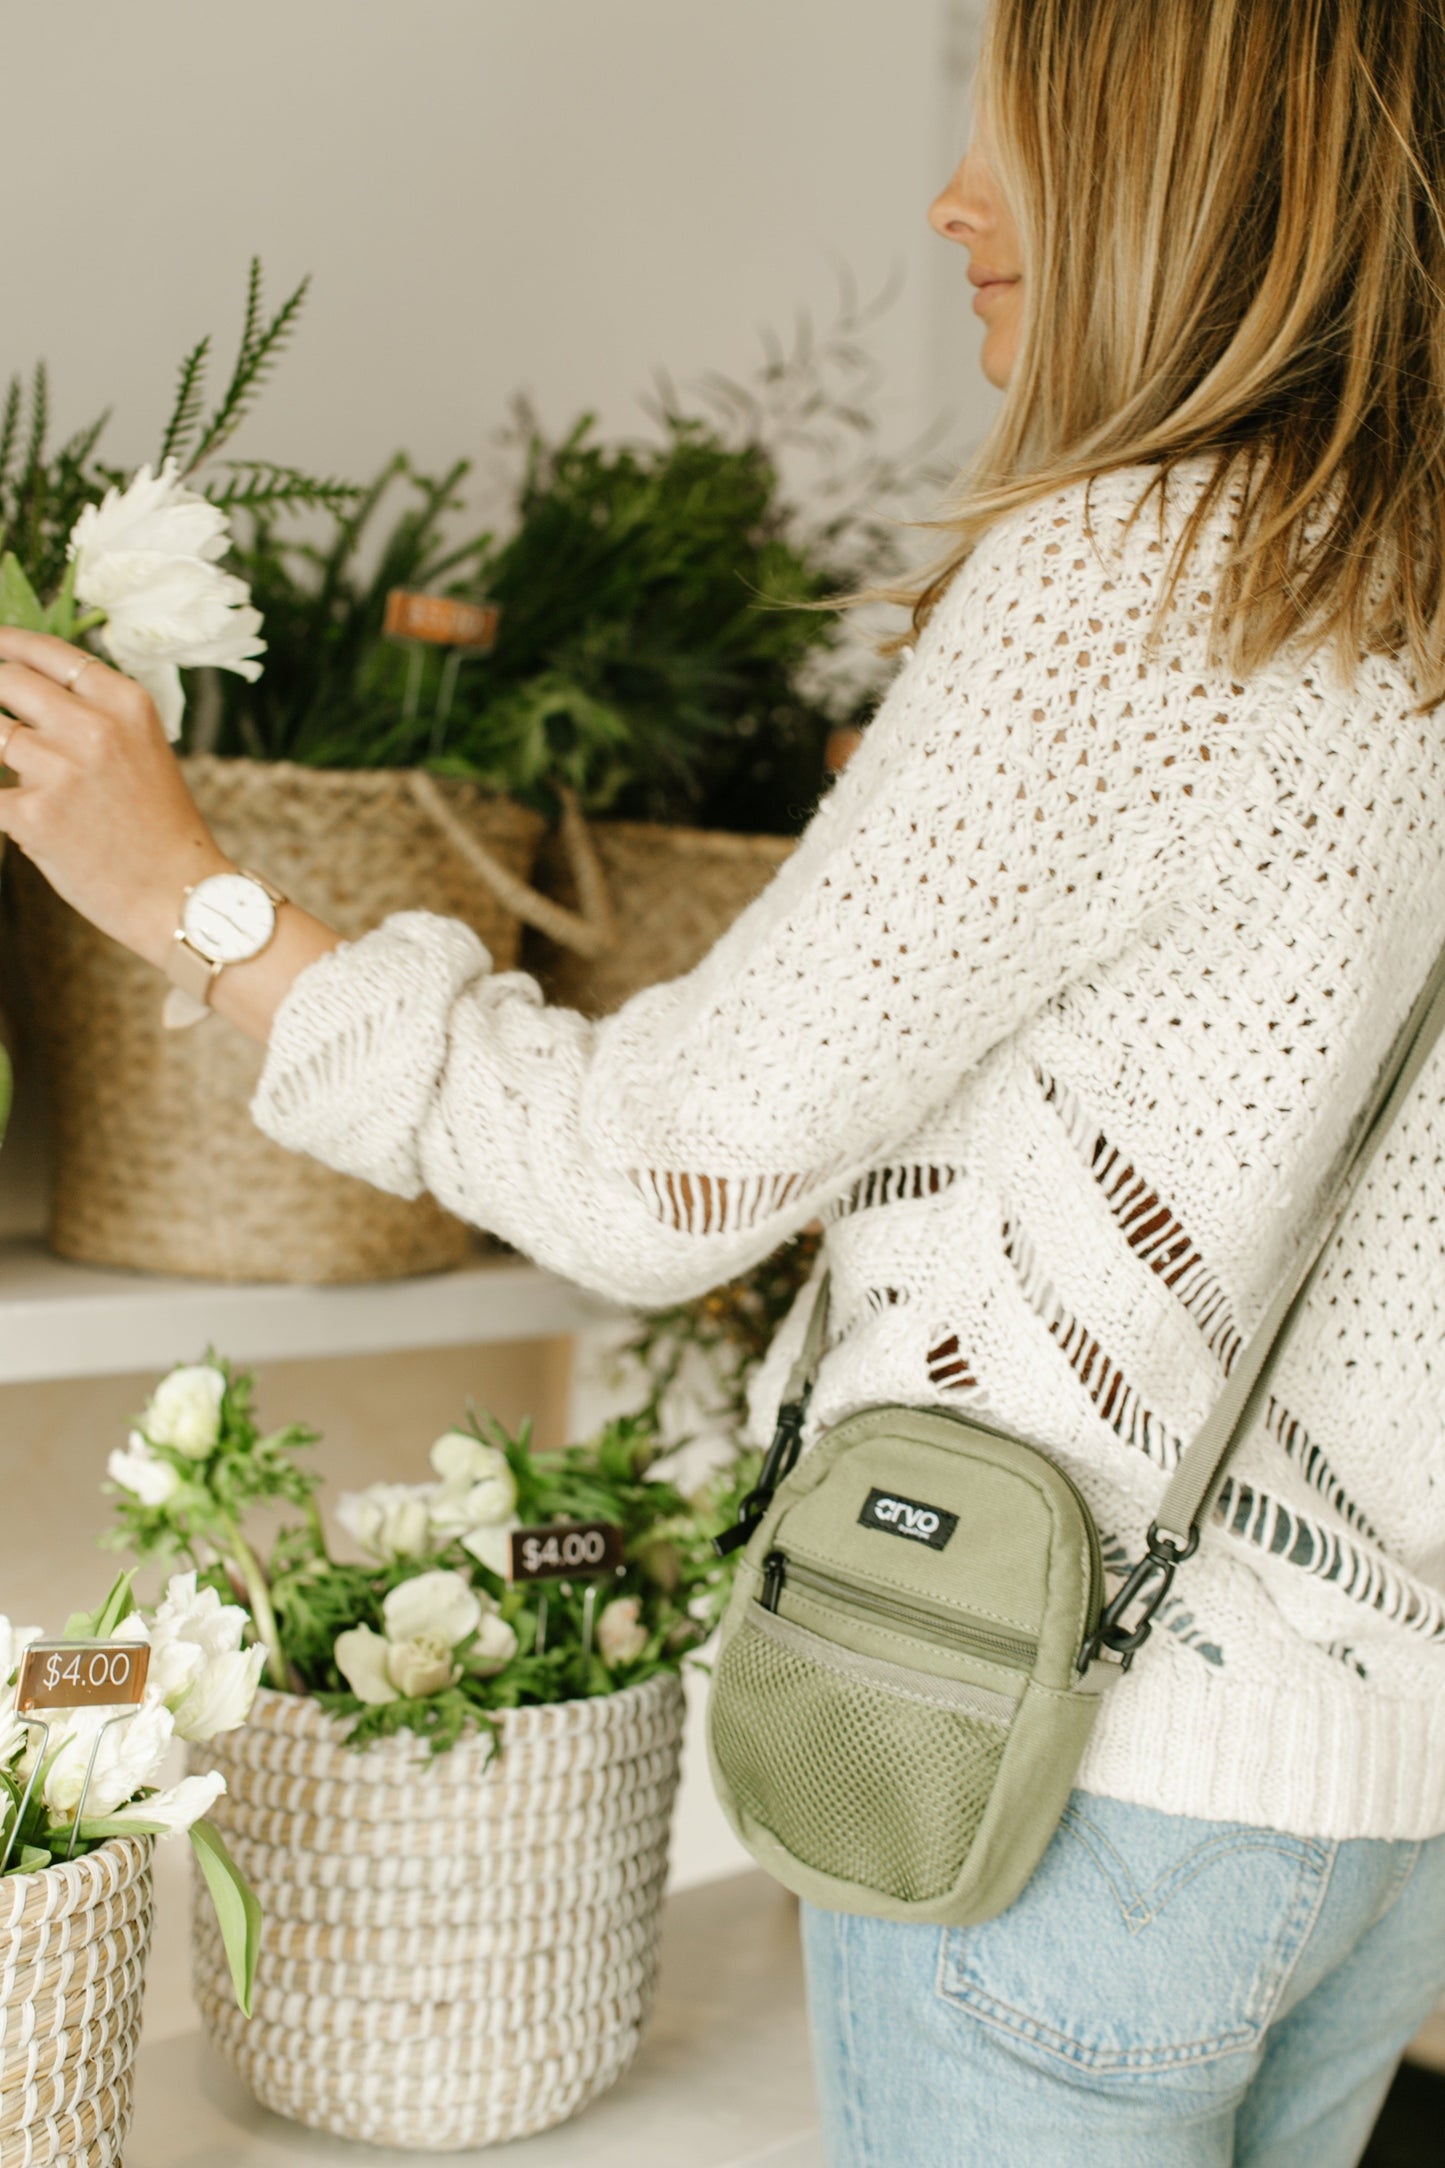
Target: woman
x: 1059, y: 1016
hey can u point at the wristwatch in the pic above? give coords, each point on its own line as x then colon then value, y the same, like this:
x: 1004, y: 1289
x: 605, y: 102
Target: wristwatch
x: 226, y: 919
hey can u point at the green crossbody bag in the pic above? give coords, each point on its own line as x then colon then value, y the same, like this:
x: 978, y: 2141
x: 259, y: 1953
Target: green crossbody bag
x: 919, y: 1636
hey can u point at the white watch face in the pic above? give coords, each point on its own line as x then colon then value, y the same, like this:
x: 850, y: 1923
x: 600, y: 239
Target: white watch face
x: 228, y: 918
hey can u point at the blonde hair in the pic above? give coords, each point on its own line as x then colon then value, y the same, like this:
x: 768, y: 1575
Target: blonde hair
x: 1231, y: 214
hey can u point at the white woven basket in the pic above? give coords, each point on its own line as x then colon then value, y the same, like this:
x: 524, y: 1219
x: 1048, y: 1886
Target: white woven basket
x: 73, y: 1945
x: 453, y: 1954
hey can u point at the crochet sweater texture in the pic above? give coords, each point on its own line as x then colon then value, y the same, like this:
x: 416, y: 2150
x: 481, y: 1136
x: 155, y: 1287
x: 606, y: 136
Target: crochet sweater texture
x: 1059, y: 1017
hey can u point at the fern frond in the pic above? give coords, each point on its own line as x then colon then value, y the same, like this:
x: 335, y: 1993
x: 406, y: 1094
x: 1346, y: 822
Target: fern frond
x: 260, y: 485
x: 260, y: 349
x: 39, y: 423
x: 185, y: 416
x: 10, y: 429
x: 77, y: 451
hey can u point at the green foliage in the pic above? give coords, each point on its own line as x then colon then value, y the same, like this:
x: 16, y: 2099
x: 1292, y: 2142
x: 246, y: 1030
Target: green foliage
x: 44, y: 492
x: 661, y: 630
x: 238, y: 1914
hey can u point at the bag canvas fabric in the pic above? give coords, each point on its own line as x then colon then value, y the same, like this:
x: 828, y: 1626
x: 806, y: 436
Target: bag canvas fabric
x: 919, y: 1634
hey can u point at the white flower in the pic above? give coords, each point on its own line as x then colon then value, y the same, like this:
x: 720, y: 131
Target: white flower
x: 388, y: 1520
x: 127, y: 1759
x: 621, y: 1635
x: 147, y: 556
x: 185, y: 1410
x: 198, y: 1667
x: 432, y: 1603
x: 494, y: 1647
x: 137, y: 1469
x: 476, y: 1499
x: 427, y: 1619
x: 14, y: 1641
x: 173, y: 1811
x: 492, y: 1546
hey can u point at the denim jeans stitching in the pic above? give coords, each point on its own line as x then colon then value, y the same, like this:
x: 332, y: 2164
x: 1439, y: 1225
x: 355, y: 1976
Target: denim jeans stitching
x: 1137, y: 1911
x: 1405, y: 1867
x: 1314, y: 1862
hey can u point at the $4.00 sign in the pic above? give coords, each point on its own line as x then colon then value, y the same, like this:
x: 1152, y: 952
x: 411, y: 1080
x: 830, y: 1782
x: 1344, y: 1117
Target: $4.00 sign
x: 566, y: 1551
x: 82, y: 1675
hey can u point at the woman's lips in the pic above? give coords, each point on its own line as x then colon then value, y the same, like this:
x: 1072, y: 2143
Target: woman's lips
x: 987, y: 290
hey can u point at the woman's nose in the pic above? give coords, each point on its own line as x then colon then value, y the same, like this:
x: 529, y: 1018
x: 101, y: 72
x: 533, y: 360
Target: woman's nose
x: 959, y: 212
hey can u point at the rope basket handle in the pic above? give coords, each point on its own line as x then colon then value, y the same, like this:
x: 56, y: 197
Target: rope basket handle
x: 590, y: 931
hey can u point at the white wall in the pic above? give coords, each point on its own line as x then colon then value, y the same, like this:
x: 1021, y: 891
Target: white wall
x: 491, y: 194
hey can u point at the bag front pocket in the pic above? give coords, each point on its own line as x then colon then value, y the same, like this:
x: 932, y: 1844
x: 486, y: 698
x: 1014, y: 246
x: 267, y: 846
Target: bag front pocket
x: 864, y: 1770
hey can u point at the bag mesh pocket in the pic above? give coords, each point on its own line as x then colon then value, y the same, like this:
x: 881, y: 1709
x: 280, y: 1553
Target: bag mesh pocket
x: 858, y: 1777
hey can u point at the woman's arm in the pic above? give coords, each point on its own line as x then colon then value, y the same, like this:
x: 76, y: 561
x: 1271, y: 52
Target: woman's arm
x: 101, y: 806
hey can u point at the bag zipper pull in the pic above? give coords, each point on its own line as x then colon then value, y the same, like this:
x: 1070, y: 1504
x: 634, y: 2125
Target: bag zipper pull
x: 775, y: 1567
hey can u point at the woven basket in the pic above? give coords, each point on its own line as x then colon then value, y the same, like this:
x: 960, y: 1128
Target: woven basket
x: 673, y: 892
x: 73, y: 1941
x: 157, y: 1163
x: 454, y: 1953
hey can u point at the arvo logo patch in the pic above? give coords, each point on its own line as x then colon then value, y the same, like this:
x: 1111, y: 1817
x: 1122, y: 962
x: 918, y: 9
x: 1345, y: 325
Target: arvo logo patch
x: 906, y: 1517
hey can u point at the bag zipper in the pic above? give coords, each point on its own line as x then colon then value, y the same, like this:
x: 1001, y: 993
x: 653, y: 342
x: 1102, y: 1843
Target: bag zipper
x: 944, y: 1628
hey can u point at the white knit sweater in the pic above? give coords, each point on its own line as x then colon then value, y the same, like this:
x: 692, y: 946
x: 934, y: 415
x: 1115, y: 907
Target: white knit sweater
x: 1060, y: 1017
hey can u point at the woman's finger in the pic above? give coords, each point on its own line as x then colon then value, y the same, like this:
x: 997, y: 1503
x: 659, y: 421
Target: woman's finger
x: 72, y: 670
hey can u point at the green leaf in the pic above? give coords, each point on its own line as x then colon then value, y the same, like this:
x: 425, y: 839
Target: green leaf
x: 32, y: 1859
x: 19, y: 603
x: 96, y: 1625
x: 60, y: 617
x: 238, y: 1914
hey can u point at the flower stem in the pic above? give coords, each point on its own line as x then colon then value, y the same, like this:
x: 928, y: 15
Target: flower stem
x: 263, y: 1616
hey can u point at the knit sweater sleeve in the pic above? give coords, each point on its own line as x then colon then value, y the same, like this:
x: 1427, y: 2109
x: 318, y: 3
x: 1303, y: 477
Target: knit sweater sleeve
x: 1033, y: 791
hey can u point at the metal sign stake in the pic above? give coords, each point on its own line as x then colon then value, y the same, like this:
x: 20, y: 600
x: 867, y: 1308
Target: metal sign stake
x: 35, y: 1723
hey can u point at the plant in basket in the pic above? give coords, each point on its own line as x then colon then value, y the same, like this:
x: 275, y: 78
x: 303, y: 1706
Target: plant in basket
x: 87, y: 1723
x: 453, y: 1797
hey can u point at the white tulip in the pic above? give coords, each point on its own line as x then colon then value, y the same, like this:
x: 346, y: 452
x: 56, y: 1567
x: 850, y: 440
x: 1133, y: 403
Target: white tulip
x: 185, y: 1410
x: 621, y: 1635
x: 388, y: 1520
x: 147, y: 555
x: 14, y: 1641
x: 137, y: 1469
x: 494, y: 1647
x: 220, y: 1699
x: 438, y: 1603
x: 361, y: 1655
x: 168, y: 1813
x: 128, y: 1757
x: 492, y: 1546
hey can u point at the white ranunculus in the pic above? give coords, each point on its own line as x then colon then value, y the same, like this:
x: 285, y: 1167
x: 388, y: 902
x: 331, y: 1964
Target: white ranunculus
x: 170, y: 1812
x: 388, y: 1520
x: 185, y: 1410
x: 137, y: 1469
x: 621, y: 1635
x: 421, y: 1665
x: 494, y: 1647
x: 491, y: 1546
x: 147, y: 555
x: 437, y: 1603
x: 128, y: 1758
x: 189, y: 1613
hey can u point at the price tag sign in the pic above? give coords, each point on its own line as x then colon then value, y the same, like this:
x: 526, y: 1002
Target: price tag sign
x: 566, y: 1551
x: 83, y: 1675
x: 440, y: 620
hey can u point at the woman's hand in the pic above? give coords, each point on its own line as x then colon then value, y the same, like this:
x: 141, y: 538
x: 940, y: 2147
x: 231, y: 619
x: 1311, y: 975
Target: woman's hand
x: 101, y: 806
x: 102, y: 809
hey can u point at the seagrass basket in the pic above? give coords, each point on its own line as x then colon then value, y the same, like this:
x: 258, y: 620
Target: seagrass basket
x: 455, y: 1952
x: 673, y: 892
x: 73, y: 1945
x: 156, y: 1162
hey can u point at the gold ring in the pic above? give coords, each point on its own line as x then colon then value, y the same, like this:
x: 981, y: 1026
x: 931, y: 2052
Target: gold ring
x: 78, y: 673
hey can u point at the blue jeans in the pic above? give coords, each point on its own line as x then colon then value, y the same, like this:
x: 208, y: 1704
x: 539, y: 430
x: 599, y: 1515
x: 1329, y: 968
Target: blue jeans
x: 1166, y: 1993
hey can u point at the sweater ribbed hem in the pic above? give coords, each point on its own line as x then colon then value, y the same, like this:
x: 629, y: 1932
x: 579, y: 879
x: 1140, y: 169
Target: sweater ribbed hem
x: 1278, y: 1757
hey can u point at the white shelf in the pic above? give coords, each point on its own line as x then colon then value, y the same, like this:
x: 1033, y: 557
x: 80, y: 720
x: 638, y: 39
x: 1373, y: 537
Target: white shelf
x: 59, y: 1320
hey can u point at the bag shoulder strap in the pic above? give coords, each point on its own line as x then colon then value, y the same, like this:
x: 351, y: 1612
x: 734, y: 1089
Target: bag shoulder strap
x: 1174, y: 1534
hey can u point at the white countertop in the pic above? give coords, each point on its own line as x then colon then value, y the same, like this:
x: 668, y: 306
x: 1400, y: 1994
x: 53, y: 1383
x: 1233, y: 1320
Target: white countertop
x: 722, y: 2081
